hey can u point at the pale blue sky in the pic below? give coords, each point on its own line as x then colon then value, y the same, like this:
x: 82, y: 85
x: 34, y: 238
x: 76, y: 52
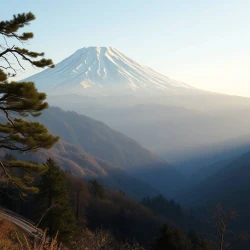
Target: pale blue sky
x: 205, y: 43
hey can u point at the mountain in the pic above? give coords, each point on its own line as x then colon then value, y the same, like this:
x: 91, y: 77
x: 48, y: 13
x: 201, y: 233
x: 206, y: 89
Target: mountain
x: 109, y: 147
x: 101, y: 71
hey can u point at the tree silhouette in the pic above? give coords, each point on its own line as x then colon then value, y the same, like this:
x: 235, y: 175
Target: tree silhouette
x: 222, y: 238
x: 19, y: 100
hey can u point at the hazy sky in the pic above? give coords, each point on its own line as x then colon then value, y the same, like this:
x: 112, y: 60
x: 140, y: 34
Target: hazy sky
x: 205, y: 43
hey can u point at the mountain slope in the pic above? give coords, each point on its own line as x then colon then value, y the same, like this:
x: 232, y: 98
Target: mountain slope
x: 94, y: 70
x: 97, y: 139
x: 85, y: 166
x: 229, y: 185
x: 100, y: 141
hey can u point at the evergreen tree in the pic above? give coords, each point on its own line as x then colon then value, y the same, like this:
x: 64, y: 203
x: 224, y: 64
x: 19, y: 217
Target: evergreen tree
x: 173, y: 239
x: 96, y: 189
x: 54, y: 200
x: 169, y: 240
x: 168, y: 208
x: 197, y: 242
x: 19, y: 100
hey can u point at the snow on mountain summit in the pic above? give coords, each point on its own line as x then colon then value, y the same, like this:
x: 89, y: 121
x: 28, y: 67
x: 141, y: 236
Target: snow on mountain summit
x: 94, y: 69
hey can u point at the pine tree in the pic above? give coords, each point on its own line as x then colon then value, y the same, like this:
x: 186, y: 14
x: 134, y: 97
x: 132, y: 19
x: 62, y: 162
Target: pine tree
x: 18, y: 100
x: 96, y: 189
x: 169, y: 239
x: 54, y: 201
x: 197, y: 242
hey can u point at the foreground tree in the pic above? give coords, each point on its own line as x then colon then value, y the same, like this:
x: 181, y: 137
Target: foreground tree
x: 18, y: 100
x: 57, y: 214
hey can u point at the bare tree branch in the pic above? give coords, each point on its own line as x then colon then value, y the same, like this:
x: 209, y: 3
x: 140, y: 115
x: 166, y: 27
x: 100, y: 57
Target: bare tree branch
x: 18, y: 60
x: 46, y: 213
x: 8, y: 175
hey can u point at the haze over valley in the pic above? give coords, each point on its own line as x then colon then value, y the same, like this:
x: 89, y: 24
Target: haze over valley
x: 184, y: 125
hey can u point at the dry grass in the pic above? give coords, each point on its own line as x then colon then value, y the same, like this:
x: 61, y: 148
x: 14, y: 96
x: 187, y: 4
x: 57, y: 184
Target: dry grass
x: 12, y: 238
x: 102, y: 240
x: 40, y: 244
x: 8, y: 234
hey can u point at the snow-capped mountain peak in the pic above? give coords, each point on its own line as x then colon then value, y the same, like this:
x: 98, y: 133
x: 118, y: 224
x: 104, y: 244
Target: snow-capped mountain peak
x: 95, y: 70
